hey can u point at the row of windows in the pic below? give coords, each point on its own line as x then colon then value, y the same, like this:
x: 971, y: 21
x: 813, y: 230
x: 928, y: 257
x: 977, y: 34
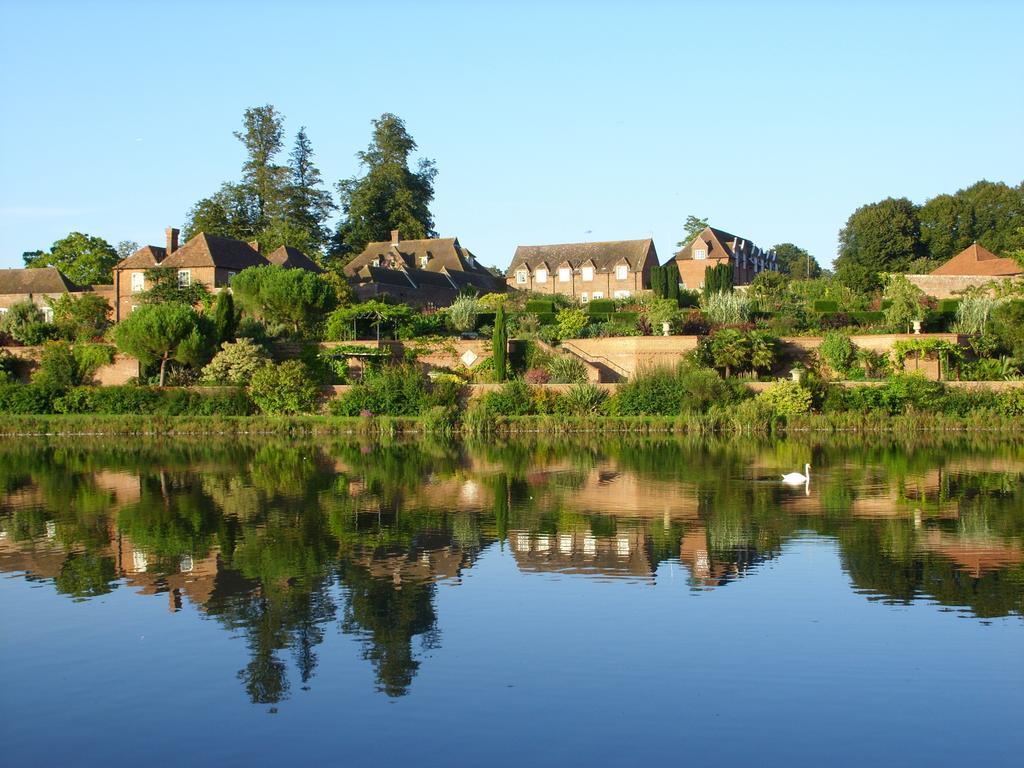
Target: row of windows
x: 184, y: 279
x: 565, y: 274
x: 586, y: 298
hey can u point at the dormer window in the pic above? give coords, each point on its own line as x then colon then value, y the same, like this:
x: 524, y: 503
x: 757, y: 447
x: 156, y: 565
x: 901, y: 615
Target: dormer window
x: 541, y: 275
x: 521, y: 277
x: 621, y: 272
x: 564, y: 274
x: 587, y: 273
x: 700, y: 253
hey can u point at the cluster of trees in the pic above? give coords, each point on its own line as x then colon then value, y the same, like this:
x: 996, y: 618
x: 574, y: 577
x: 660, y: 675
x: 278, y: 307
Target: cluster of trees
x: 289, y: 204
x: 896, y: 235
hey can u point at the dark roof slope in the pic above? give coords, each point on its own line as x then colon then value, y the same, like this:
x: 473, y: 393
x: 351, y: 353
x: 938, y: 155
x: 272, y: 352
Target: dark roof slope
x: 35, y: 280
x: 292, y: 258
x: 605, y: 255
x: 442, y: 253
x: 211, y: 251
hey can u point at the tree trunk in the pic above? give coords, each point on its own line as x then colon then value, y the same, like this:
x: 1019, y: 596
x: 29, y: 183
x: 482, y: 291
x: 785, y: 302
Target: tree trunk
x: 728, y: 371
x: 163, y: 366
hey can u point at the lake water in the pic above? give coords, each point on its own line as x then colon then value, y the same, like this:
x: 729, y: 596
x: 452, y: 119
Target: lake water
x: 542, y: 602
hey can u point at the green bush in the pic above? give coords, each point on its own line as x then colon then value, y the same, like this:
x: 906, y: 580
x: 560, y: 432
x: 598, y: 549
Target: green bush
x: 581, y: 400
x: 7, y: 368
x: 786, y: 398
x: 837, y: 351
x: 825, y: 305
x: 25, y: 323
x: 540, y: 307
x: 571, y: 322
x: 655, y: 392
x: 27, y: 398
x: 865, y: 318
x: 236, y: 363
x: 130, y: 400
x: 1011, y: 402
x: 89, y: 358
x: 284, y: 388
x: 57, y: 367
x: 513, y: 399
x: 547, y: 318
x: 566, y: 369
x: 948, y: 306
x: 601, y: 307
x: 394, y: 390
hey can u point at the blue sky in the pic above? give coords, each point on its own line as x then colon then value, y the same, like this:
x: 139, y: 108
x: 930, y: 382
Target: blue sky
x: 549, y: 122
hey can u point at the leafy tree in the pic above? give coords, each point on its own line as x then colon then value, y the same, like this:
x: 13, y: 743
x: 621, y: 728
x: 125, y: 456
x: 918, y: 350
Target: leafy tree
x: 164, y: 289
x: 947, y: 226
x: 463, y: 312
x: 162, y: 332
x: 996, y: 211
x: 794, y: 260
x: 84, y: 259
x: 262, y: 181
x: 692, y: 227
x: 229, y: 212
x: 225, y: 321
x: 768, y: 289
x: 25, y: 323
x: 291, y: 297
x: 308, y: 205
x: 57, y: 367
x: 236, y: 363
x: 906, y: 302
x: 730, y: 350
x: 389, y: 195
x: 500, y: 343
x: 126, y: 248
x: 285, y: 388
x: 880, y: 237
x: 84, y: 317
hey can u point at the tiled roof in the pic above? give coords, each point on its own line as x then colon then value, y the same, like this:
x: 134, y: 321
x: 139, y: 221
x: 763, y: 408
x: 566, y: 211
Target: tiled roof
x: 293, y: 258
x: 35, y: 280
x: 605, y: 255
x: 441, y: 253
x: 211, y: 251
x: 976, y: 260
x: 147, y: 257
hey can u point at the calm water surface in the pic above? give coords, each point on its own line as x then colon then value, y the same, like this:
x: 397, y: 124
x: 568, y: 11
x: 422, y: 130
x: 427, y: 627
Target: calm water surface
x: 537, y: 603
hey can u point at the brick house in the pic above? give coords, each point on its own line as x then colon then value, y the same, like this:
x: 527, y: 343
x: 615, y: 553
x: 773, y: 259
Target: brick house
x: 423, y: 272
x: 41, y: 285
x: 713, y: 247
x: 617, y: 269
x: 206, y: 259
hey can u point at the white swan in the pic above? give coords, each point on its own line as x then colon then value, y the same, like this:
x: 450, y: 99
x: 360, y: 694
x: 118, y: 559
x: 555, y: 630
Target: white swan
x: 795, y: 478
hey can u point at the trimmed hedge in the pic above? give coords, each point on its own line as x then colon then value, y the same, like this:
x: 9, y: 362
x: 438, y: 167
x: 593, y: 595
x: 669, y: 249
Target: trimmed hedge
x: 546, y: 318
x: 601, y: 307
x: 540, y: 307
x: 947, y: 306
x: 625, y: 317
x: 825, y: 305
x: 868, y: 317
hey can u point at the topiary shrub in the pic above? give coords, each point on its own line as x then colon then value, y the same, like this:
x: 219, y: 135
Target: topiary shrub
x: 601, y: 307
x: 284, y: 388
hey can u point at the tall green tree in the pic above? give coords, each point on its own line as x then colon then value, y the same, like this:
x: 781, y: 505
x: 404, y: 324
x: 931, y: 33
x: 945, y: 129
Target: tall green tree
x: 879, y: 237
x: 164, y: 332
x: 263, y: 180
x: 796, y: 262
x: 229, y: 212
x: 84, y: 259
x: 692, y: 227
x: 500, y: 343
x: 291, y: 297
x: 224, y: 319
x: 308, y: 206
x: 389, y: 194
x: 658, y: 281
x: 672, y: 281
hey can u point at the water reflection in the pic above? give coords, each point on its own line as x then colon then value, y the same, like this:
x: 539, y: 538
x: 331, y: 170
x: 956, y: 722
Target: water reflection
x: 281, y: 542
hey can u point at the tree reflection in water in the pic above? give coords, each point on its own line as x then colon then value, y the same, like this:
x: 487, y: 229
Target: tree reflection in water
x: 278, y: 542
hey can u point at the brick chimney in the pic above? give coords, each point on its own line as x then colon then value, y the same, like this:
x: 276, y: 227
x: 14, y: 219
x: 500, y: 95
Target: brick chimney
x: 255, y: 245
x: 394, y: 237
x: 172, y: 240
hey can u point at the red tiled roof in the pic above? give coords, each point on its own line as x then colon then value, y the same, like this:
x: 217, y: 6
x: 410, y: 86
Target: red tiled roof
x: 976, y: 260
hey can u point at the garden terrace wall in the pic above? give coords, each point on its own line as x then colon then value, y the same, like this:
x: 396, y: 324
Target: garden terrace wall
x: 950, y: 286
x: 448, y: 353
x: 796, y: 348
x: 122, y: 370
x: 621, y: 357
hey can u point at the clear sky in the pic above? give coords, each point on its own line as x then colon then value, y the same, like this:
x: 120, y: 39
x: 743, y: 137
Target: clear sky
x: 549, y: 122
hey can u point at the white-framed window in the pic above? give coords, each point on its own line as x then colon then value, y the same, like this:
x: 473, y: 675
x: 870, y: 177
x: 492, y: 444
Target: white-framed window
x: 47, y: 314
x: 621, y: 272
x: 584, y: 298
x: 521, y: 276
x: 138, y: 282
x: 564, y: 274
x: 597, y: 295
x: 700, y: 253
x: 184, y: 278
x: 3, y: 310
x: 587, y: 273
x: 541, y: 276
x: 621, y: 295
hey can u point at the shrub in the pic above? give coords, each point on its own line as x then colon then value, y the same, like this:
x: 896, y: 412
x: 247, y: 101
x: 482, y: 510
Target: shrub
x: 825, y: 305
x: 540, y: 307
x: 1011, y: 402
x: 910, y: 391
x: 462, y: 313
x: 537, y: 376
x: 513, y: 399
x: 867, y: 319
x: 728, y: 308
x: 654, y: 392
x: 730, y: 350
x: 571, y: 322
x: 581, y: 400
x: 837, y: 351
x: 786, y: 398
x: 26, y: 398
x: 25, y: 323
x: 601, y: 306
x: 57, y: 367
x: 905, y: 303
x: 394, y: 390
x: 285, y: 388
x: 566, y: 369
x: 7, y: 367
x: 89, y: 358
x: 1008, y: 326
x: 236, y: 363
x: 82, y: 317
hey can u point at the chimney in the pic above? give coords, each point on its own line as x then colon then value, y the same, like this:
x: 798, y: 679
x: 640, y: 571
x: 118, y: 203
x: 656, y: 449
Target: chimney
x: 172, y: 240
x: 394, y: 237
x: 255, y: 245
